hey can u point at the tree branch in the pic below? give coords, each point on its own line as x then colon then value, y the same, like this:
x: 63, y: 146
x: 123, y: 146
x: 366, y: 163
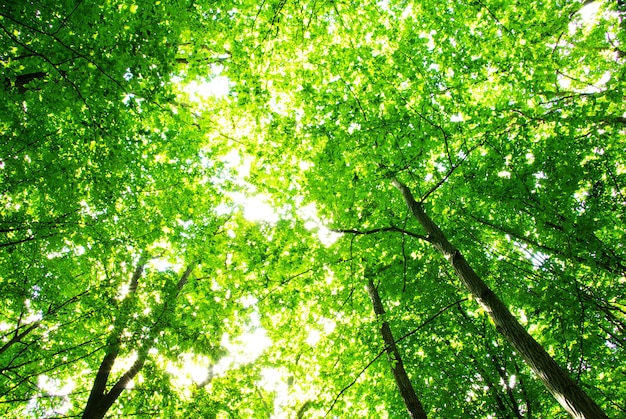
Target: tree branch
x: 380, y: 230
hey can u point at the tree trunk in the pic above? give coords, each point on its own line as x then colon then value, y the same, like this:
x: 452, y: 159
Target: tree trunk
x: 413, y: 404
x: 100, y: 400
x: 564, y: 389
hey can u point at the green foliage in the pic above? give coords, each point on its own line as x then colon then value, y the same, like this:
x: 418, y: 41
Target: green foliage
x: 507, y: 120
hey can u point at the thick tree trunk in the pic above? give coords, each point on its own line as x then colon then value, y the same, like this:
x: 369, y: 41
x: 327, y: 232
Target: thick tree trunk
x: 564, y: 389
x: 413, y: 404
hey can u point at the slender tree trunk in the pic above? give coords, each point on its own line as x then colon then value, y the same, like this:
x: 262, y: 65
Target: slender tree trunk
x: 564, y: 389
x: 494, y: 391
x: 413, y: 404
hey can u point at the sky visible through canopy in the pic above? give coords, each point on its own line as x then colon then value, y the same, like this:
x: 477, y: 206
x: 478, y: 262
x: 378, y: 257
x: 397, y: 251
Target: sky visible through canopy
x: 316, y: 209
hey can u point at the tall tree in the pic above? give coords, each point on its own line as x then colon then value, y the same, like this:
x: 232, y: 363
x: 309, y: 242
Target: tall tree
x: 458, y: 99
x: 100, y: 399
x: 102, y: 159
x: 412, y: 402
x: 507, y: 119
x: 568, y: 393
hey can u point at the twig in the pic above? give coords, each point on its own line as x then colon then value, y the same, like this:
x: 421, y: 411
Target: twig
x: 381, y: 230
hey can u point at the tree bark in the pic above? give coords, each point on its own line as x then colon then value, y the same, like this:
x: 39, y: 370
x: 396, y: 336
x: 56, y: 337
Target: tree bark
x: 100, y: 401
x: 558, y: 382
x: 412, y: 402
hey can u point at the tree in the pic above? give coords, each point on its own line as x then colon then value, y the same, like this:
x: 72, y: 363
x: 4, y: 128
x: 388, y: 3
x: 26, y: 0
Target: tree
x: 506, y: 120
x: 571, y: 396
x: 465, y: 107
x: 103, y: 161
x: 100, y: 400
x: 412, y: 402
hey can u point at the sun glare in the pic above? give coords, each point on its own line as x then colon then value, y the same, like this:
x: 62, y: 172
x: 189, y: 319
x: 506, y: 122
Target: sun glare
x: 216, y: 86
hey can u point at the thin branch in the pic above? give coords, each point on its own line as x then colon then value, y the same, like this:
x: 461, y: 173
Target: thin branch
x: 18, y: 336
x: 55, y: 67
x: 493, y: 15
x: 380, y: 230
x: 64, y: 45
x: 64, y: 20
x: 450, y: 172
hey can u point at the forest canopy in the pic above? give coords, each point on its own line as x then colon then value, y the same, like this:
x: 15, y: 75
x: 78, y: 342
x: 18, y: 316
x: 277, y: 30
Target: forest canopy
x: 307, y: 209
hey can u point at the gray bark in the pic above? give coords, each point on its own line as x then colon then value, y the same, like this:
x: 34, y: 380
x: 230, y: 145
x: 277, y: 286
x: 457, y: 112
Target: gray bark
x: 411, y: 401
x: 558, y: 382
